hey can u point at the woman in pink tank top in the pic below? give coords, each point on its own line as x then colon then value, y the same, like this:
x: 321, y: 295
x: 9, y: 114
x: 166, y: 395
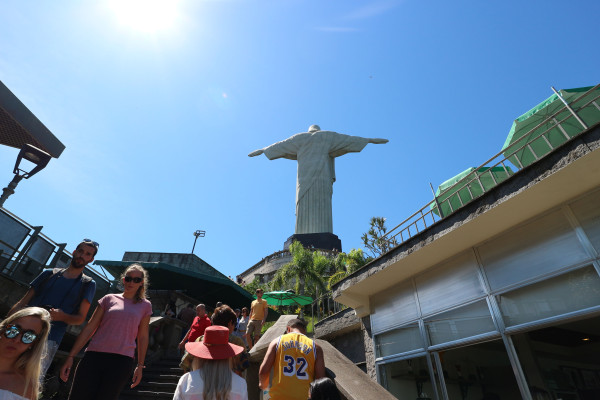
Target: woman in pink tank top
x: 118, y: 321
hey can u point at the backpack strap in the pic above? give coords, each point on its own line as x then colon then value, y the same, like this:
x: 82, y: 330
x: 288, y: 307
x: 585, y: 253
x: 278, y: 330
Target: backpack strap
x: 54, y: 273
x: 85, y: 282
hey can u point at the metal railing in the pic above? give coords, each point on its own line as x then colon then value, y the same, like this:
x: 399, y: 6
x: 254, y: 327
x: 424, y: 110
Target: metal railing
x: 325, y: 306
x: 30, y: 250
x: 507, y: 159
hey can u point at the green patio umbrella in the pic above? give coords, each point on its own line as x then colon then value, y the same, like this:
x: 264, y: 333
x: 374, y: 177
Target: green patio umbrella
x: 286, y: 298
x: 456, y: 192
x: 549, y: 115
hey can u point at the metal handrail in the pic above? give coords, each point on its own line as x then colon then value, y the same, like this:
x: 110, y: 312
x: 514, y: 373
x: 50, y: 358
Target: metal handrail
x: 418, y: 221
x: 18, y: 252
x: 325, y: 306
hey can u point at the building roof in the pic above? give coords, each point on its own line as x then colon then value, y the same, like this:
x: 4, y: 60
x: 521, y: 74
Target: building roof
x: 565, y: 173
x: 206, y: 288
x: 18, y: 126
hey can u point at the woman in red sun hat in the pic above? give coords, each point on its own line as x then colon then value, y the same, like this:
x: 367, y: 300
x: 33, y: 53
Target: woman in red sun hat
x: 211, y: 377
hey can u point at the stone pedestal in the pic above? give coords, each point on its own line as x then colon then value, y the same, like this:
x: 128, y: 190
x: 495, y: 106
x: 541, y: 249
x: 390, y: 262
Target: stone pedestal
x: 323, y: 241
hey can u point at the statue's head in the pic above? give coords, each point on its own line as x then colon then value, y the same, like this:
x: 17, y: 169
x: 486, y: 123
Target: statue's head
x: 314, y: 128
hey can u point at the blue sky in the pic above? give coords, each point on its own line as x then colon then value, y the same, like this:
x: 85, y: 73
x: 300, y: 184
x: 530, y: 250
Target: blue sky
x: 158, y: 113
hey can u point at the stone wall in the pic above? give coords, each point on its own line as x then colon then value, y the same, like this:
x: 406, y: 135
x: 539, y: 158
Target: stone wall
x: 266, y: 267
x: 369, y: 347
x: 344, y: 331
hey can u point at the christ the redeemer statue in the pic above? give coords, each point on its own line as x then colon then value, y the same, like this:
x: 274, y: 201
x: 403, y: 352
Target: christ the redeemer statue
x: 315, y: 152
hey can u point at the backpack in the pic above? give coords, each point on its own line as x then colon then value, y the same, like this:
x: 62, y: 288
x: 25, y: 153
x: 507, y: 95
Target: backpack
x: 54, y: 275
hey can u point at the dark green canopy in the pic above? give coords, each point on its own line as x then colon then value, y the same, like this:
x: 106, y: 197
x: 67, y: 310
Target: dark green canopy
x: 206, y: 288
x: 551, y: 118
x: 466, y: 186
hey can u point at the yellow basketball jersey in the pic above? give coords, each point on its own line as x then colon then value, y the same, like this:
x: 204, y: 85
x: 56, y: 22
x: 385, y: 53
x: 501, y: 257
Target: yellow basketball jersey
x: 294, y: 367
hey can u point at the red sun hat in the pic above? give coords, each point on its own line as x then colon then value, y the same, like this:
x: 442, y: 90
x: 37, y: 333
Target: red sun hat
x: 215, y: 345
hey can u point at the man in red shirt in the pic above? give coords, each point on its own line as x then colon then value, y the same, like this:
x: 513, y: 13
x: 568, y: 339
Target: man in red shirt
x: 201, y: 322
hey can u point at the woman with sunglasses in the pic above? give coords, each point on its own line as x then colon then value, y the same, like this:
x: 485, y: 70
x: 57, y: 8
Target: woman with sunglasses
x: 22, y: 344
x: 117, y: 322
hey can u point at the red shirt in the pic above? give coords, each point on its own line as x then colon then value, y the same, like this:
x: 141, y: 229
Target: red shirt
x: 198, y: 327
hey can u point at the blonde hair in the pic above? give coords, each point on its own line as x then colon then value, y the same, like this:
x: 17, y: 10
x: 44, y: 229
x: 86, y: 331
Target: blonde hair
x: 28, y: 363
x: 140, y: 294
x: 216, y: 376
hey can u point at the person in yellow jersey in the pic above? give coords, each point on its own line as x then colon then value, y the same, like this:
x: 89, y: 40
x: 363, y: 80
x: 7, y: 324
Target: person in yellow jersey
x: 296, y: 361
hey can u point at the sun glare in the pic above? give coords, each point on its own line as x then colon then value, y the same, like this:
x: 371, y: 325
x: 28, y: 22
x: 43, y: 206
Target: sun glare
x: 146, y: 15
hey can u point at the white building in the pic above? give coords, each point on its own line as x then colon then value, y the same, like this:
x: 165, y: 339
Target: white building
x: 500, y: 299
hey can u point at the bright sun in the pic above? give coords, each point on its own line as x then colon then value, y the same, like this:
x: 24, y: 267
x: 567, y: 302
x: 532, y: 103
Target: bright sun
x: 146, y: 15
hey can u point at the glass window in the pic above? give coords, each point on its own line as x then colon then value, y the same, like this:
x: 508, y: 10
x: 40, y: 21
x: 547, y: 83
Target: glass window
x: 544, y: 245
x: 12, y: 235
x: 63, y: 261
x: 588, y: 213
x: 481, y: 371
x: 407, y: 379
x: 463, y: 322
x: 393, y: 307
x: 449, y: 284
x: 561, y: 361
x: 562, y: 294
x: 40, y: 250
x: 398, y: 341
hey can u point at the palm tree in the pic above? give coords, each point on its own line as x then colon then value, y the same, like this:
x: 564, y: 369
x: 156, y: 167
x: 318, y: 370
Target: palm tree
x: 346, y: 264
x: 304, y: 271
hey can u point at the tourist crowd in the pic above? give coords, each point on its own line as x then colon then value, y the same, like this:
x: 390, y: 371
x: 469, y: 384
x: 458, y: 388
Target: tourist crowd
x: 215, y: 358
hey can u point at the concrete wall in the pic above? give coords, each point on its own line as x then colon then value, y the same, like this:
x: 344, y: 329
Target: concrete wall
x: 266, y: 267
x: 345, y: 332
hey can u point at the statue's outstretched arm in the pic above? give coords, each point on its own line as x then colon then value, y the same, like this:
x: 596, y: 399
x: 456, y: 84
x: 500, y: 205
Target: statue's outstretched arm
x: 378, y: 141
x: 256, y: 153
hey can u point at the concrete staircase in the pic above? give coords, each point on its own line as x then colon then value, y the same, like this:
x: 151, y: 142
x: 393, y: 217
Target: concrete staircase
x: 158, y: 382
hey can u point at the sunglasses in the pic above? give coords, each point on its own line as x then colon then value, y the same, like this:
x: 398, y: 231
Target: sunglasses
x: 27, y: 337
x: 90, y: 241
x: 135, y: 280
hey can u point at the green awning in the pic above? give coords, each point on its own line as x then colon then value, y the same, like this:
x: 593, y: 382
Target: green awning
x: 455, y: 192
x: 206, y: 288
x: 520, y: 132
x: 286, y: 298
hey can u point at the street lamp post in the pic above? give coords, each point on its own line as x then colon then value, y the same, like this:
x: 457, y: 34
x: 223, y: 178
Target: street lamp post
x: 197, y: 234
x: 32, y: 154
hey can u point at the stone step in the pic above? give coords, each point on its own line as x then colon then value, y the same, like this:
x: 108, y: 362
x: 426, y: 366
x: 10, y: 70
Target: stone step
x: 163, y: 369
x: 168, y: 362
x: 161, y: 377
x: 143, y: 394
x: 159, y: 381
x: 157, y: 386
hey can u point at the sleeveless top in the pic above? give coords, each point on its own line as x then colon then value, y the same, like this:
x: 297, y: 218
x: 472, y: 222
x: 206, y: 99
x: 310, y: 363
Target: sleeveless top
x: 294, y: 367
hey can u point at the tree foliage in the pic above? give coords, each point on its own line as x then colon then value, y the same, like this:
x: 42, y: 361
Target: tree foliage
x: 374, y: 241
x: 305, y: 271
x: 346, y: 264
x: 252, y: 286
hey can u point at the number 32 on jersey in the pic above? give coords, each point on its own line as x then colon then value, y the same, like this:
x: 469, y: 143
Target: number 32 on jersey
x: 295, y: 367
